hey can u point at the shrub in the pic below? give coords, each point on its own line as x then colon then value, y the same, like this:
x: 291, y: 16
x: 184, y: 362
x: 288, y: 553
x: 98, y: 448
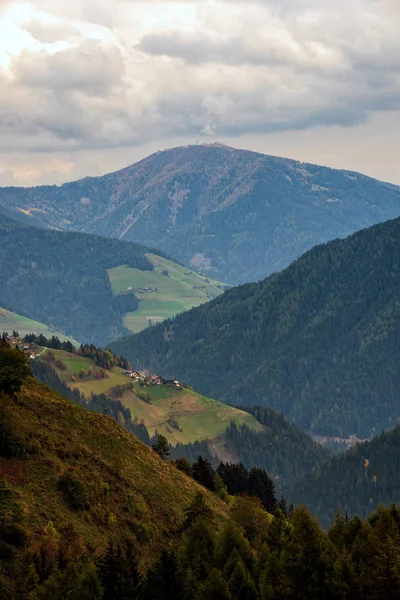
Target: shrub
x: 182, y: 464
x: 145, y: 396
x: 73, y: 490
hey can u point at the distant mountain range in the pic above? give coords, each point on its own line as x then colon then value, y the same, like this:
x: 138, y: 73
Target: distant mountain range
x: 318, y: 341
x: 234, y: 214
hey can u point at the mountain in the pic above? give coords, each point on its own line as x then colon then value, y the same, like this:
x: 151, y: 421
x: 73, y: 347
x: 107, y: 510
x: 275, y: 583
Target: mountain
x: 317, y: 341
x: 87, y: 286
x: 192, y: 423
x: 355, y: 482
x: 236, y: 215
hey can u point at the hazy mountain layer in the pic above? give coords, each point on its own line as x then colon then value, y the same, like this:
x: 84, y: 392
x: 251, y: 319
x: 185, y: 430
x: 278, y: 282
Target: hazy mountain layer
x: 235, y: 214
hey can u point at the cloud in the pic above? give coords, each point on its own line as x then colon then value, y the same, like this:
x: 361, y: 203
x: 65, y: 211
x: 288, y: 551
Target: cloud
x: 118, y: 74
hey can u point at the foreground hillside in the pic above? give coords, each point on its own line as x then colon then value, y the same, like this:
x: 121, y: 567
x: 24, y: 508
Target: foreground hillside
x: 317, y: 341
x: 121, y: 478
x: 237, y: 215
x: 87, y: 512
x: 355, y: 482
x: 87, y: 286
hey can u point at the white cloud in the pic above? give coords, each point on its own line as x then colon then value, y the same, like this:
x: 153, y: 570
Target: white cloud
x: 104, y: 75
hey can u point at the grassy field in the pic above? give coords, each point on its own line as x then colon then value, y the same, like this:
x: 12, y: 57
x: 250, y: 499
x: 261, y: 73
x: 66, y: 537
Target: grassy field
x: 10, y: 321
x: 181, y: 290
x: 87, y: 385
x: 198, y: 417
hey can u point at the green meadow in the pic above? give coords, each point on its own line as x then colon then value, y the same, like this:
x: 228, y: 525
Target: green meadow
x: 86, y: 385
x: 10, y: 321
x: 178, y: 289
x: 197, y: 417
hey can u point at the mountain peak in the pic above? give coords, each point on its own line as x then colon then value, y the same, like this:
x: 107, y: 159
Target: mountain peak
x: 235, y: 214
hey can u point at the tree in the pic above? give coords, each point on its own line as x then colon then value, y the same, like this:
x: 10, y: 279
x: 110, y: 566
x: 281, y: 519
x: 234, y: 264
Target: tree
x: 198, y: 508
x: 87, y: 585
x: 308, y: 559
x: 203, y: 472
x: 182, y: 464
x: 261, y: 485
x: 163, y: 580
x: 14, y: 369
x: 215, y: 587
x: 117, y: 578
x: 161, y: 446
x: 241, y: 584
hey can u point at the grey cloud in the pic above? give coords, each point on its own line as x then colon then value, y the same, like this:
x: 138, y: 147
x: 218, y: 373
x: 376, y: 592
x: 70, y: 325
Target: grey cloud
x: 173, y: 84
x: 91, y: 66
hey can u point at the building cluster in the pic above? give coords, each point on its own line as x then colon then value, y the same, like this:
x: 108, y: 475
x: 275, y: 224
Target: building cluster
x: 146, y: 290
x: 18, y: 342
x: 147, y: 380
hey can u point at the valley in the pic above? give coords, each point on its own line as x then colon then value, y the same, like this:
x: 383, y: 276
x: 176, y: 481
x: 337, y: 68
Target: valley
x: 199, y: 341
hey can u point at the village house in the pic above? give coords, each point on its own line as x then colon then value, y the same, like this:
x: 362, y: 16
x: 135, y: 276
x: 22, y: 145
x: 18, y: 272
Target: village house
x: 155, y: 380
x: 172, y: 382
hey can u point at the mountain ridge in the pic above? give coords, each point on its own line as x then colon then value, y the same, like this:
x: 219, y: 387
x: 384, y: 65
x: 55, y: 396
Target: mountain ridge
x: 236, y: 214
x: 316, y: 341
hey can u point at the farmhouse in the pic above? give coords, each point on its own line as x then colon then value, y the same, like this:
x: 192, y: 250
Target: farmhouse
x: 172, y: 382
x: 146, y: 290
x: 133, y: 374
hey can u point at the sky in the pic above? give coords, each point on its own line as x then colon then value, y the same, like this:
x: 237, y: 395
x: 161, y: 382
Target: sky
x: 90, y: 86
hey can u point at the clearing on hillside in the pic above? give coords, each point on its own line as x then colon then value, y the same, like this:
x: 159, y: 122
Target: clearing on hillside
x: 177, y: 289
x: 11, y: 321
x: 182, y: 416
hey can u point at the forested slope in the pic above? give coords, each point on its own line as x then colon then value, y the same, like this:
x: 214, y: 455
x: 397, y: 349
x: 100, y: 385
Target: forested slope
x: 61, y: 279
x: 355, y: 481
x: 318, y: 341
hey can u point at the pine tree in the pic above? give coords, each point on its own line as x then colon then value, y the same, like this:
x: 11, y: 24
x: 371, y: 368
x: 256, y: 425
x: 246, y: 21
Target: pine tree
x: 161, y: 446
x: 215, y: 587
x: 164, y: 581
x: 259, y: 484
x: 203, y: 472
x: 241, y: 585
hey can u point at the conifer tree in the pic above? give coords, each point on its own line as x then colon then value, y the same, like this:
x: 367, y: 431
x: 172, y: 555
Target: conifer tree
x: 164, y: 581
x: 203, y: 472
x: 215, y: 587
